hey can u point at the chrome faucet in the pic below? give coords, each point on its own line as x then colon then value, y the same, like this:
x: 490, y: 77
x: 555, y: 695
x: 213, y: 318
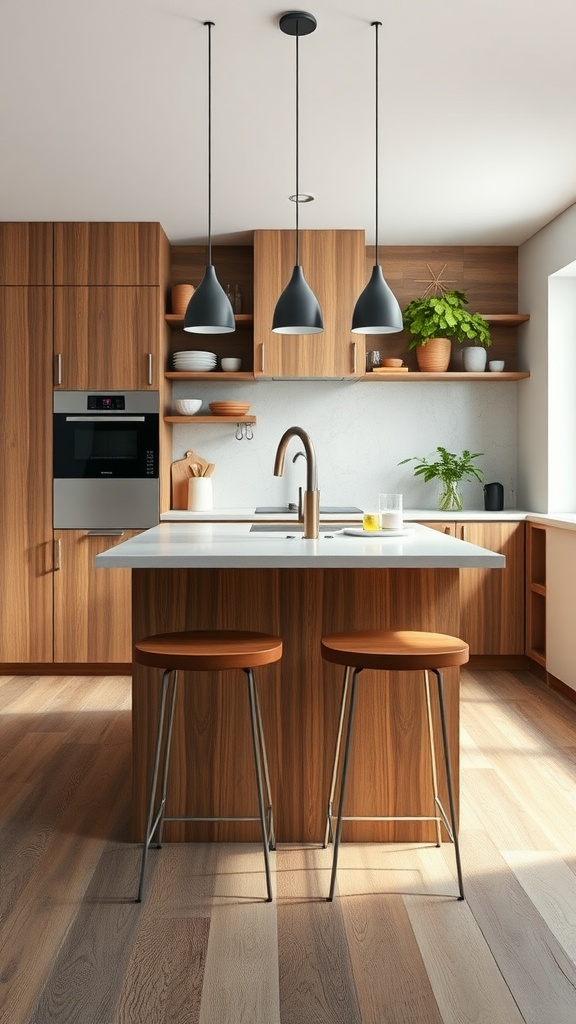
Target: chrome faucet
x: 310, y: 513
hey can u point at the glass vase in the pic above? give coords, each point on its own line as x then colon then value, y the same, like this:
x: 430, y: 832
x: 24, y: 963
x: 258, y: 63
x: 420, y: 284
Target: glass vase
x: 450, y: 497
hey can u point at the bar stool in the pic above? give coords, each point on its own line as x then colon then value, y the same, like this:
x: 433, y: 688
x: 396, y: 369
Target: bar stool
x: 400, y: 651
x: 206, y: 651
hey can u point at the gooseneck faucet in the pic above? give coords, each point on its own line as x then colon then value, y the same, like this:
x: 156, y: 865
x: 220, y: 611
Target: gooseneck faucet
x: 310, y: 515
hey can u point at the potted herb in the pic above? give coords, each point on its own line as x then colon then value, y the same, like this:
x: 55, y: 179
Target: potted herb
x: 449, y: 469
x: 440, y: 319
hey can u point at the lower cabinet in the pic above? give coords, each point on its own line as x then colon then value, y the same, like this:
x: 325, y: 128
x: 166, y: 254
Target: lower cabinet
x: 492, y: 600
x: 92, y: 607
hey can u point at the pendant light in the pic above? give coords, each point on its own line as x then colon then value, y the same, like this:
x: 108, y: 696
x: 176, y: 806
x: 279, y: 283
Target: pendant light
x: 297, y: 310
x: 209, y: 310
x: 377, y: 310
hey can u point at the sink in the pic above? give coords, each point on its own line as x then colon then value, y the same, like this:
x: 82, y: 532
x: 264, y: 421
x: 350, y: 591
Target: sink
x: 291, y: 527
x: 335, y: 510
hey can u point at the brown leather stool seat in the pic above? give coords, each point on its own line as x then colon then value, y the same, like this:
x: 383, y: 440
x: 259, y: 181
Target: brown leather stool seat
x: 397, y: 651
x: 206, y: 651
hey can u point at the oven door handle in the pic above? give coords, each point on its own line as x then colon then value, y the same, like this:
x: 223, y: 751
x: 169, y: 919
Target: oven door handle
x: 105, y: 419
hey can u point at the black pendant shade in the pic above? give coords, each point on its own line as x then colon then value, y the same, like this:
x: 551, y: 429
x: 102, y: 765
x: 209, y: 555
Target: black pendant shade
x: 209, y: 310
x: 377, y: 310
x: 297, y: 310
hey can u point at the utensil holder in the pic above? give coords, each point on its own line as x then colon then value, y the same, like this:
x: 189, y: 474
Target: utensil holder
x: 200, y: 496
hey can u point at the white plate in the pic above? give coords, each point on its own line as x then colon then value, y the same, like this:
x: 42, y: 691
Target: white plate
x: 359, y: 532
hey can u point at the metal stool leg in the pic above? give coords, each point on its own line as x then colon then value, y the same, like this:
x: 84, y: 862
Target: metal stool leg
x: 258, y: 769
x: 357, y: 672
x: 262, y: 742
x: 454, y: 835
x: 432, y: 756
x: 153, y: 819
x: 328, y: 834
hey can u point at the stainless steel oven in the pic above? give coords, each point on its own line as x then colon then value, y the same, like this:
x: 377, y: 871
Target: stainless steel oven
x: 106, y: 459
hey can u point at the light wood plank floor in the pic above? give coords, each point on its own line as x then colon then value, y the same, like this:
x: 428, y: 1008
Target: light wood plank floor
x: 393, y: 948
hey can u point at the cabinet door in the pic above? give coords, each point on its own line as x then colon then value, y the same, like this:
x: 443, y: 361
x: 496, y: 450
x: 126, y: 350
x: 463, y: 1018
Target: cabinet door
x: 334, y: 266
x: 492, y: 600
x: 106, y: 338
x: 92, y: 607
x: 442, y: 527
x: 26, y: 491
x: 26, y: 254
x: 109, y: 253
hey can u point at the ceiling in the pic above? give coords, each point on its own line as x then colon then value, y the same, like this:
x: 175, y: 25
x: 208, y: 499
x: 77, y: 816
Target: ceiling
x: 104, y: 116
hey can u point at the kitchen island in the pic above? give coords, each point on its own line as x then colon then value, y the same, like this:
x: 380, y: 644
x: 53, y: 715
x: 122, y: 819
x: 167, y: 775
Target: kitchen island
x: 225, y: 575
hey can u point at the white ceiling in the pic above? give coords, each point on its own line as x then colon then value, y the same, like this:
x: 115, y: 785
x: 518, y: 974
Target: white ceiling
x: 104, y: 111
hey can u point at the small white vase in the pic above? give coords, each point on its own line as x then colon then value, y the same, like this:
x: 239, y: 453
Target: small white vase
x: 474, y: 359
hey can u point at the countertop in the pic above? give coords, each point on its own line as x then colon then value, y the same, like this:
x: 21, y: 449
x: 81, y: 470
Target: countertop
x: 410, y: 515
x: 231, y: 545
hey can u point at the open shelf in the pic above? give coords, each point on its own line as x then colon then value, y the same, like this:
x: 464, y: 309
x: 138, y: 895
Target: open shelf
x: 210, y: 419
x: 213, y: 375
x: 506, y: 319
x: 241, y: 320
x: 453, y: 376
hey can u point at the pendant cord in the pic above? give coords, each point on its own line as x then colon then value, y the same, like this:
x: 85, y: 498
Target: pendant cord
x: 376, y: 24
x: 210, y: 25
x: 297, y: 146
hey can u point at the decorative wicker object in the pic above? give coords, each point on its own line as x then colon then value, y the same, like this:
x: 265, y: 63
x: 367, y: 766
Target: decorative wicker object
x: 181, y: 295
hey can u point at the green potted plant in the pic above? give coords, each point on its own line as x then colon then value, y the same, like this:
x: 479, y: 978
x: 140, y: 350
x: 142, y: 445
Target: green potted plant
x: 434, y: 321
x: 449, y: 469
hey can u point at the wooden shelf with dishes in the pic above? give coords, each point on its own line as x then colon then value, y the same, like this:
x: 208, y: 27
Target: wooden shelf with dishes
x: 210, y: 375
x: 450, y: 375
x: 241, y: 320
x: 210, y: 419
x: 243, y: 348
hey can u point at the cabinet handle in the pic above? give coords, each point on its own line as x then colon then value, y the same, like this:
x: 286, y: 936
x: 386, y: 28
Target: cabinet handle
x: 463, y: 532
x: 446, y: 529
x: 149, y: 363
x: 58, y: 369
x: 57, y: 554
x: 354, y: 356
x: 262, y: 358
x: 105, y: 533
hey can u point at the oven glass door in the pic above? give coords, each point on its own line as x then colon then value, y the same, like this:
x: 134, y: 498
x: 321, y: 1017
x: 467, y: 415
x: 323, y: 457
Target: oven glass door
x: 90, y: 446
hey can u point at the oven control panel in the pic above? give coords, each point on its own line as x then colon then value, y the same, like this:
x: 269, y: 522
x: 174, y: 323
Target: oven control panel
x: 106, y: 403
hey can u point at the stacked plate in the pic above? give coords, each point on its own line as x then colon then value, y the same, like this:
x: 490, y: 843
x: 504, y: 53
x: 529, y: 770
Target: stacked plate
x: 194, y: 361
x: 229, y: 408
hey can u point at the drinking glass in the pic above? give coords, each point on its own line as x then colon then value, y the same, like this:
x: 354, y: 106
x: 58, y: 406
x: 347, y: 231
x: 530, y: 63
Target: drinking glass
x: 390, y: 506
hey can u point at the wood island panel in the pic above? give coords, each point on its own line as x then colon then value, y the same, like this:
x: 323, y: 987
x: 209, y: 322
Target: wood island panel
x: 212, y: 768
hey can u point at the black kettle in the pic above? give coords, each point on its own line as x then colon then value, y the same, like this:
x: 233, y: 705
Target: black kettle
x: 493, y: 497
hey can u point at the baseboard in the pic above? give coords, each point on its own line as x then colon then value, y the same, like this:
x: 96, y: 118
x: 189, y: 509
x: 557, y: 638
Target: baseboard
x: 562, y: 688
x: 507, y: 662
x: 53, y: 668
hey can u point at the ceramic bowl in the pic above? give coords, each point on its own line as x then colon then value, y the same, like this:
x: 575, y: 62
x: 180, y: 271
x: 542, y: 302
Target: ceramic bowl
x: 188, y: 406
x: 230, y: 365
x: 496, y: 365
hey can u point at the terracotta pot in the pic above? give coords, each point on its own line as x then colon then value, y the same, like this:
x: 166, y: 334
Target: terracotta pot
x: 434, y: 356
x: 181, y: 295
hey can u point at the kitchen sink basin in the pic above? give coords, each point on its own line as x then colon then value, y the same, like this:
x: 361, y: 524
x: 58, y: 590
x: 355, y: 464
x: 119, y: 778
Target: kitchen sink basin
x: 329, y: 510
x: 291, y: 527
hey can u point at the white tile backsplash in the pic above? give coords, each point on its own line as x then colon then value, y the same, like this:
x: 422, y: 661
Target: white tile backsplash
x: 360, y: 432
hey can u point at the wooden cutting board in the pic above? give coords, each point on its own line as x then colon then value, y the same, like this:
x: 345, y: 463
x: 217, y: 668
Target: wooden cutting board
x: 181, y: 473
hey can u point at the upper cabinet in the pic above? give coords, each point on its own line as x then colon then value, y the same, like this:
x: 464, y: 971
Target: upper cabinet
x: 103, y: 253
x: 26, y: 254
x: 107, y: 338
x: 334, y: 266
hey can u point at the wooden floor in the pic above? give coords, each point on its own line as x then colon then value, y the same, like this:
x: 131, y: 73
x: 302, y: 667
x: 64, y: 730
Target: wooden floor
x: 393, y: 947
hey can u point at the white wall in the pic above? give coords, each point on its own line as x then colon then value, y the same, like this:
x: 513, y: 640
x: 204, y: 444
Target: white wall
x: 360, y: 431
x: 546, y: 253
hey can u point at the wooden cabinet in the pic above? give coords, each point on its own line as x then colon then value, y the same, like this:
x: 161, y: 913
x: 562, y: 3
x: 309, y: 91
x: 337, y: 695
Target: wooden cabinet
x: 334, y: 266
x: 107, y: 338
x: 26, y: 491
x: 92, y: 607
x: 110, y: 253
x: 536, y: 593
x: 491, y: 600
x: 26, y: 254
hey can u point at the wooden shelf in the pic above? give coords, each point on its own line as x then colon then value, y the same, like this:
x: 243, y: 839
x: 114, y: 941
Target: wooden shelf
x: 241, y: 320
x: 209, y: 419
x: 456, y: 375
x: 538, y: 588
x: 506, y: 319
x: 241, y: 375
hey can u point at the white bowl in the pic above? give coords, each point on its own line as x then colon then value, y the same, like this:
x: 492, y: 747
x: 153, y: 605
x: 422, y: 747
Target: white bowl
x: 188, y: 406
x: 230, y: 365
x: 496, y: 365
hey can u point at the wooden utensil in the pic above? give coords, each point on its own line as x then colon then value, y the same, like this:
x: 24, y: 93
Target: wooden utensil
x: 182, y: 470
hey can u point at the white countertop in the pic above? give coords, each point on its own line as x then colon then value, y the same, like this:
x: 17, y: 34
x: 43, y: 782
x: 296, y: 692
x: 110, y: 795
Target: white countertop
x: 410, y: 515
x: 227, y: 545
